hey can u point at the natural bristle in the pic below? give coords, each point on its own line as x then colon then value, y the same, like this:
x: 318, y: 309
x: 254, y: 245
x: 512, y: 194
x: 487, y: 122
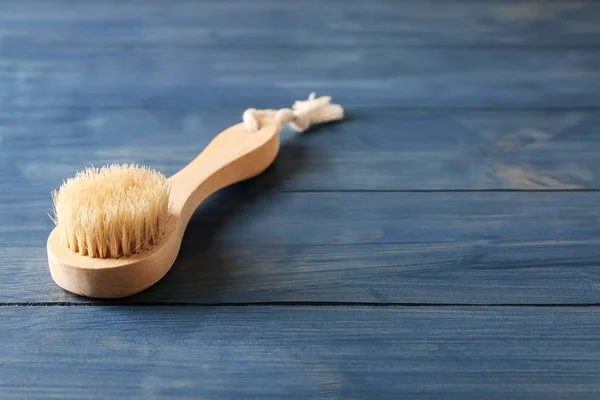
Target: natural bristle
x: 111, y: 212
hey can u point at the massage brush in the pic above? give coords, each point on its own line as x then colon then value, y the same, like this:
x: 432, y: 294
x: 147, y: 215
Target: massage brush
x: 118, y: 229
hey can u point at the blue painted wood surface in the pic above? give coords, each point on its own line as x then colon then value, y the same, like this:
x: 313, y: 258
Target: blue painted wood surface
x: 168, y: 76
x: 299, y: 352
x: 465, y: 174
x: 390, y: 149
x: 252, y: 245
x: 313, y: 23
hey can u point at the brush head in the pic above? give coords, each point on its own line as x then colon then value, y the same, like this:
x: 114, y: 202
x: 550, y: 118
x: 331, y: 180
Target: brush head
x: 111, y: 212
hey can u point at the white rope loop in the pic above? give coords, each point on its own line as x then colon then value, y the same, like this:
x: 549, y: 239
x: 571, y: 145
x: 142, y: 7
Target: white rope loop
x: 301, y: 116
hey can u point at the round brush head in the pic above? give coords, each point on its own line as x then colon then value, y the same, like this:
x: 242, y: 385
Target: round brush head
x: 111, y: 212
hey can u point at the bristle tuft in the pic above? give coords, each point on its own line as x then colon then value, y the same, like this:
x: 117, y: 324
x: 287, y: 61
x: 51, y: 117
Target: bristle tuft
x: 111, y: 212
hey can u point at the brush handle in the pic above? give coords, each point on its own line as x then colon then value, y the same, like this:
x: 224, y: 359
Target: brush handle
x: 232, y: 156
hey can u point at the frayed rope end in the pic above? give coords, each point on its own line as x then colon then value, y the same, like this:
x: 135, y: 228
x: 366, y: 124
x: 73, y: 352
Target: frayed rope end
x: 301, y: 116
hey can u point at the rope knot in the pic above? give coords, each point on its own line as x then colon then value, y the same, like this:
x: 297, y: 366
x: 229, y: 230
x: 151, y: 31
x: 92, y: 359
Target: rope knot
x: 300, y: 117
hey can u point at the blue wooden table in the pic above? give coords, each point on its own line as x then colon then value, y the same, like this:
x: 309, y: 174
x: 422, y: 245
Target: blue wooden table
x: 440, y: 242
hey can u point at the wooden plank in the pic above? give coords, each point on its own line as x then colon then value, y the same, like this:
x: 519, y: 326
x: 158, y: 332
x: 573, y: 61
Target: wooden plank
x: 252, y: 245
x: 307, y: 23
x: 371, y: 150
x: 180, y: 77
x: 299, y: 353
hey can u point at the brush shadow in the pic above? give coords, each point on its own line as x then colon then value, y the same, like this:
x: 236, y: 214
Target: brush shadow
x: 204, y: 269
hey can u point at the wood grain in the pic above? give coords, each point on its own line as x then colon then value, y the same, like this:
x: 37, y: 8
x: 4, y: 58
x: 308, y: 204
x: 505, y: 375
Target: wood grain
x: 299, y: 353
x: 308, y: 23
x: 175, y: 77
x: 389, y: 149
x: 252, y: 245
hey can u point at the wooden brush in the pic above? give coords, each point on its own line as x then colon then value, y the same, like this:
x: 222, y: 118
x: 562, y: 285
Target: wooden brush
x: 119, y: 228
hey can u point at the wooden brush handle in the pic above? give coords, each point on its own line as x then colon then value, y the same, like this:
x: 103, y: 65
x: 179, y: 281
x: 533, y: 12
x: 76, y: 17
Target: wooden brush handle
x: 232, y: 156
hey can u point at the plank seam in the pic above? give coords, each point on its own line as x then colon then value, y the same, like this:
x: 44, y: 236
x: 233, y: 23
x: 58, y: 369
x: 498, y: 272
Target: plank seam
x: 7, y: 109
x: 307, y: 2
x: 491, y: 190
x: 293, y: 304
x: 439, y: 46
